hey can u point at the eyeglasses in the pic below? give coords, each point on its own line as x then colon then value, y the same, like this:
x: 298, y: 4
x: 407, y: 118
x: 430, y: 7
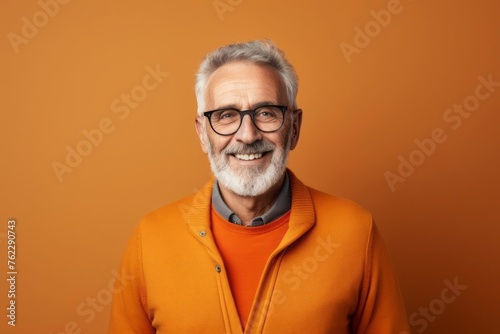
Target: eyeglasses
x: 227, y: 121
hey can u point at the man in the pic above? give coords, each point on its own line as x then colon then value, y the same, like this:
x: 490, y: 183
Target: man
x: 255, y: 251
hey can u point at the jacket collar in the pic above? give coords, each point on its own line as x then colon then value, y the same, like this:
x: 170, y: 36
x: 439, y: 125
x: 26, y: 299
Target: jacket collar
x: 302, y: 216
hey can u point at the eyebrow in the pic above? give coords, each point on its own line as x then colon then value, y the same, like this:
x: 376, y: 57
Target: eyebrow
x: 257, y: 105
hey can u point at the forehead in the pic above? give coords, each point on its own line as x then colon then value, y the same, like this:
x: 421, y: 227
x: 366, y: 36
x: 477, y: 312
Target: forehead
x: 243, y: 84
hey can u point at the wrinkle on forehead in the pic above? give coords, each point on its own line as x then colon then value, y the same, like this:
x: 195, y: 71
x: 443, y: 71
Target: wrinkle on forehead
x: 244, y: 84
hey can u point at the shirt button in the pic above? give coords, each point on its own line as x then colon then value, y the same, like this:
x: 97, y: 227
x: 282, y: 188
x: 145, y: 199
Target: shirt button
x: 218, y: 268
x: 203, y: 233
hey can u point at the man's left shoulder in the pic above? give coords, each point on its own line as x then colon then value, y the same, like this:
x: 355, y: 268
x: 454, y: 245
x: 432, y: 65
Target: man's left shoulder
x: 332, y: 201
x: 327, y: 206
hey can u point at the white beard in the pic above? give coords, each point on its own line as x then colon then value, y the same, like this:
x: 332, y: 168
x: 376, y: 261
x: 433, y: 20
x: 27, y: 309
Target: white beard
x: 249, y: 181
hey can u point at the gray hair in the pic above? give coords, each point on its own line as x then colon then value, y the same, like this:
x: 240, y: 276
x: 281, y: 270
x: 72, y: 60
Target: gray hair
x: 263, y: 52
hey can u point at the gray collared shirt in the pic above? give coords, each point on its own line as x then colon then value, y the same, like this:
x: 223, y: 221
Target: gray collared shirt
x: 280, y: 207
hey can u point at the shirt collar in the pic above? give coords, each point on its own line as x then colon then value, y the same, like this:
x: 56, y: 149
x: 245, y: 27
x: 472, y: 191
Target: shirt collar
x: 281, y: 206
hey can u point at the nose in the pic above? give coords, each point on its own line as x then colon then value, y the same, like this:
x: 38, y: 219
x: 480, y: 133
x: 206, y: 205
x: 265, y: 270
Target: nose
x: 247, y: 133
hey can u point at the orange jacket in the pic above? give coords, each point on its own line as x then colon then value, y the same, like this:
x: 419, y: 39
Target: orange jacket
x: 330, y: 274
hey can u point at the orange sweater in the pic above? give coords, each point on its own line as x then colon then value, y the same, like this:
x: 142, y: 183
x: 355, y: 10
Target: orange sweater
x: 329, y: 274
x: 245, y: 251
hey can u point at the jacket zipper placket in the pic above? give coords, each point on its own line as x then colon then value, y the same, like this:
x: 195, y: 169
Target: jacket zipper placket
x: 260, y: 310
x: 226, y: 300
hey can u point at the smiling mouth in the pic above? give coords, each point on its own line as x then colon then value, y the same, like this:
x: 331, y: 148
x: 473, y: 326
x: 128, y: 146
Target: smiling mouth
x: 250, y: 157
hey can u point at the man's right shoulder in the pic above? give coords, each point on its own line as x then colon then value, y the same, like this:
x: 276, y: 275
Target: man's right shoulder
x: 176, y: 216
x: 169, y: 214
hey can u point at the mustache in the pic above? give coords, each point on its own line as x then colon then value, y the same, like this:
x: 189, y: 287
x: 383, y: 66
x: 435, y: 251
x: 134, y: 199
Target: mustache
x: 255, y: 147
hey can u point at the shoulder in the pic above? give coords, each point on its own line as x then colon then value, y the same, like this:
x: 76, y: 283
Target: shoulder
x: 324, y: 202
x: 174, y: 217
x: 164, y: 222
x: 329, y: 213
x: 347, y: 222
x: 179, y: 208
x: 327, y: 207
x: 341, y: 215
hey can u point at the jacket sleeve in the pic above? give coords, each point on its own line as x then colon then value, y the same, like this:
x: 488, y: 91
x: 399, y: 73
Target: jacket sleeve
x: 129, y: 311
x: 380, y: 308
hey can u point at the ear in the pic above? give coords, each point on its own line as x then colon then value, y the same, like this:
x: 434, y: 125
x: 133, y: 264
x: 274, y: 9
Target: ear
x: 199, y: 126
x: 297, y: 123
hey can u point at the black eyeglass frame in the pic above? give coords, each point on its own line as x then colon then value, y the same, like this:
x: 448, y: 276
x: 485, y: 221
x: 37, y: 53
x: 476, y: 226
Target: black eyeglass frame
x: 250, y: 112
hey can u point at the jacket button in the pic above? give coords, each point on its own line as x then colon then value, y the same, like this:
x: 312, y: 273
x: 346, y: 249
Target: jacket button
x: 218, y: 268
x: 203, y: 233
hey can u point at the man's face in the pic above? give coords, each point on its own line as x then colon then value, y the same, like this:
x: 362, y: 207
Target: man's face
x: 248, y: 162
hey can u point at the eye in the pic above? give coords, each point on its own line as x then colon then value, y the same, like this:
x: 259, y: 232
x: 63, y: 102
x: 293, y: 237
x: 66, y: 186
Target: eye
x: 226, y: 115
x: 267, y: 113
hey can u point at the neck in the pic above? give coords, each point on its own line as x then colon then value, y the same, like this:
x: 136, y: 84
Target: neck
x: 246, y: 207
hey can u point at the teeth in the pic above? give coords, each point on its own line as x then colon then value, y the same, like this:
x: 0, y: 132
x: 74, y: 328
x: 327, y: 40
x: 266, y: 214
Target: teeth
x: 248, y: 156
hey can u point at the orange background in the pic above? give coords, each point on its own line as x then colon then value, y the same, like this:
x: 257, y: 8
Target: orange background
x: 441, y: 223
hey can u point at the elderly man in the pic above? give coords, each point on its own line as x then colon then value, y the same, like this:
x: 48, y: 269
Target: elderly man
x: 255, y: 251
